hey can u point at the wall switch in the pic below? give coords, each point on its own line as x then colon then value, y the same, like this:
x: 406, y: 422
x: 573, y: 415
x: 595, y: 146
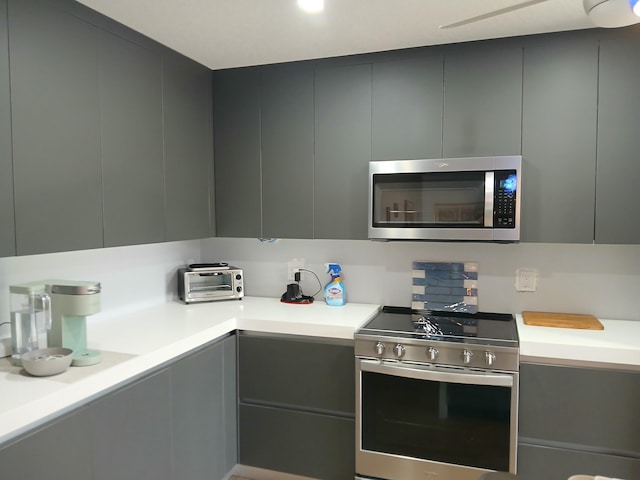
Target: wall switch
x: 526, y: 279
x: 294, y: 265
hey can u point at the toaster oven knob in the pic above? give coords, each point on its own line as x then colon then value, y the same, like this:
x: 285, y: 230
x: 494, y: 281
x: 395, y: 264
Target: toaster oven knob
x: 432, y: 352
x: 466, y: 356
x: 379, y: 348
x: 238, y: 276
x: 399, y: 350
x: 238, y: 289
x: 489, y: 358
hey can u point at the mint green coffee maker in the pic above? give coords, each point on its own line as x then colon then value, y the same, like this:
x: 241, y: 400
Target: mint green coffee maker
x: 71, y: 303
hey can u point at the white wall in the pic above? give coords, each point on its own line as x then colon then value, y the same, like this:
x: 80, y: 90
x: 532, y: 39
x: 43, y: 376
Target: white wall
x: 131, y: 277
x: 603, y: 280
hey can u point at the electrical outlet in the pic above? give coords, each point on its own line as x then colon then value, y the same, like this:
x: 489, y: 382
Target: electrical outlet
x: 526, y: 279
x: 294, y: 265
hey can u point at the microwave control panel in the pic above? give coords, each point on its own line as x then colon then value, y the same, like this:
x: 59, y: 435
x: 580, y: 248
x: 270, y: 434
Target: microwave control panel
x: 504, y: 206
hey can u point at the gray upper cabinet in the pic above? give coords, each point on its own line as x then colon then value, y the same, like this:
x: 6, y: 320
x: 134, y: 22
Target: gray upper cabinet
x: 482, y: 102
x: 560, y: 97
x: 237, y: 153
x: 7, y: 220
x: 343, y: 151
x: 407, y: 109
x: 188, y: 148
x: 618, y: 177
x: 131, y: 130
x: 56, y: 144
x: 287, y: 144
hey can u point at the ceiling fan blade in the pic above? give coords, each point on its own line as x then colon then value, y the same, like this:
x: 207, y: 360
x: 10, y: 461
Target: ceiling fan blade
x: 494, y: 13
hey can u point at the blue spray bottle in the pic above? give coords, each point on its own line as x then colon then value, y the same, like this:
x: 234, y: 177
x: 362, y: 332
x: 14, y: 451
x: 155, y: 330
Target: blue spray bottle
x: 334, y: 293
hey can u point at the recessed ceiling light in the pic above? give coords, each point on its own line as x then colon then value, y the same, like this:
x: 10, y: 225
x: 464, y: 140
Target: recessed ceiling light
x: 635, y: 6
x: 311, y: 6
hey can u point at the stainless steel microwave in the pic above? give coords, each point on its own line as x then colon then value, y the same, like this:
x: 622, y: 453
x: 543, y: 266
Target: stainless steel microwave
x: 475, y: 199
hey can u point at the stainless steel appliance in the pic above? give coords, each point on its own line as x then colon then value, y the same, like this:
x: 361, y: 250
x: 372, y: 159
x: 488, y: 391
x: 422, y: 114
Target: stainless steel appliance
x: 436, y: 395
x: 474, y: 199
x: 207, y: 282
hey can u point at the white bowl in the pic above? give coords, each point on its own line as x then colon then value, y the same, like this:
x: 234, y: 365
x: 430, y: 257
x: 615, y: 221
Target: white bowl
x: 47, y: 361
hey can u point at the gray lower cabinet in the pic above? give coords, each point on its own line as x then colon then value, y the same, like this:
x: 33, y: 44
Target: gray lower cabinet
x: 560, y: 98
x: 178, y: 423
x: 59, y: 451
x: 342, y: 151
x: 131, y: 132
x: 131, y: 431
x: 578, y: 420
x: 297, y: 405
x: 188, y: 148
x: 618, y: 175
x: 56, y: 138
x: 203, y: 409
x: 482, y: 101
x: 7, y: 219
x: 236, y: 106
x: 406, y: 119
x: 287, y: 144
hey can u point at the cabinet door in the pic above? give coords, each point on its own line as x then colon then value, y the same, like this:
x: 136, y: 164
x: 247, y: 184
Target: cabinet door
x: 560, y: 98
x: 131, y: 431
x: 618, y: 177
x: 482, y: 102
x: 188, y: 147
x: 57, y: 451
x: 407, y: 109
x: 201, y: 415
x: 237, y: 153
x: 131, y: 129
x: 580, y: 407
x: 298, y: 443
x: 343, y: 151
x: 287, y: 152
x: 297, y: 373
x: 56, y: 144
x: 7, y: 219
x: 552, y: 463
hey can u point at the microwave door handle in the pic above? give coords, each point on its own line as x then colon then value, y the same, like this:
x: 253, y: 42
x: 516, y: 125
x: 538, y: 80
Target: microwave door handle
x: 489, y: 196
x: 426, y: 373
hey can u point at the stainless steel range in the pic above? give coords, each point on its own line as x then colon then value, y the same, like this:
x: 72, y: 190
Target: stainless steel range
x: 437, y: 395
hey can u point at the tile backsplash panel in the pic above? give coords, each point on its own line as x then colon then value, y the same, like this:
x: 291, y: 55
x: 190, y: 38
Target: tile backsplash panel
x: 445, y: 286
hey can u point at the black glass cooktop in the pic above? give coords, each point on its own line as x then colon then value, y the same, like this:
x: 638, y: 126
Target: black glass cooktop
x: 450, y: 326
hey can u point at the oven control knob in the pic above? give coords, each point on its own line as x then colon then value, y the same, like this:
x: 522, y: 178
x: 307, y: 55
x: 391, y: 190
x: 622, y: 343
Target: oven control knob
x: 432, y: 352
x: 379, y: 348
x: 399, y: 350
x: 466, y: 356
x: 489, y: 358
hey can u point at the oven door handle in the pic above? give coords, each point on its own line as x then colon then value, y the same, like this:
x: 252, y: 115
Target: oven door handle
x: 429, y: 373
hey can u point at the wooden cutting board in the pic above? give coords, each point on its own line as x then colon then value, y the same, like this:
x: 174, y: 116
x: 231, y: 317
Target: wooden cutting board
x: 562, y: 320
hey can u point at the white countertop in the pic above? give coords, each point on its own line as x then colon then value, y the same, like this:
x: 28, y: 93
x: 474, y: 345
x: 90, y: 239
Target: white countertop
x: 135, y: 342
x: 617, y: 346
x: 132, y: 343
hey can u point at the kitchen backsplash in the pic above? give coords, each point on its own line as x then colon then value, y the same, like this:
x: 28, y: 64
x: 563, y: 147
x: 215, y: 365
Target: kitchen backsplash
x: 603, y: 280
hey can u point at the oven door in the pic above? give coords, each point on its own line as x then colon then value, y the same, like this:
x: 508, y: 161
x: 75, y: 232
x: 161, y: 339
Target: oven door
x: 420, y: 421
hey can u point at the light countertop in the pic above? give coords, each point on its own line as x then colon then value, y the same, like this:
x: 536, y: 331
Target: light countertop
x: 133, y: 343
x: 617, y: 346
x: 136, y: 342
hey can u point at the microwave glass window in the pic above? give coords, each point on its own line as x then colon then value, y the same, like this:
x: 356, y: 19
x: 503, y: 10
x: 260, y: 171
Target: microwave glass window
x: 429, y: 199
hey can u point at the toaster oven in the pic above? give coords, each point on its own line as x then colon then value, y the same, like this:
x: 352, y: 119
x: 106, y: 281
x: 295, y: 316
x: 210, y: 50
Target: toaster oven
x: 207, y: 282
